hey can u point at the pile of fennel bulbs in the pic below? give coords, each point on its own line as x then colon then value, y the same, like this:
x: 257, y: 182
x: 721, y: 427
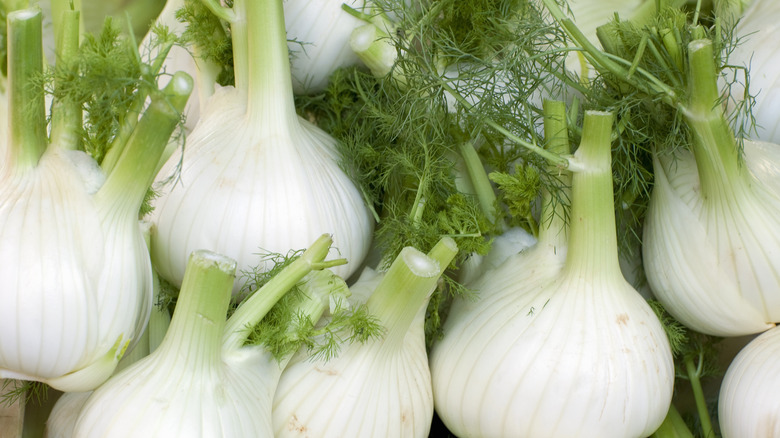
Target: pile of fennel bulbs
x: 204, y: 379
x: 77, y: 278
x: 255, y: 177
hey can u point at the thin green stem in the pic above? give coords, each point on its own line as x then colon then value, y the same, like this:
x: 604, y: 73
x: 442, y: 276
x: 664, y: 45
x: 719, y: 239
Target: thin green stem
x: 406, y: 286
x: 26, y: 106
x: 559, y: 161
x: 220, y: 11
x: 127, y: 184
x: 605, y: 62
x: 254, y: 308
x: 698, y: 394
x: 355, y: 13
x: 593, y: 246
x: 66, y: 118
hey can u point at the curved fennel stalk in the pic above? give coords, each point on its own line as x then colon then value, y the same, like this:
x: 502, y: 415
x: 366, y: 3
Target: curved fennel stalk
x: 557, y: 343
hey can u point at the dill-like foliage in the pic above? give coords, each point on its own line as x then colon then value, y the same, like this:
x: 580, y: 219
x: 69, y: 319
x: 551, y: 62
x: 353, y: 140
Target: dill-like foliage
x: 22, y: 391
x: 211, y: 36
x: 103, y: 79
x: 288, y: 328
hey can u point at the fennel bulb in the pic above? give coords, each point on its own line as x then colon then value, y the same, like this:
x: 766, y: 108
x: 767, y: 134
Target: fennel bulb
x: 711, y: 243
x: 747, y: 404
x: 202, y: 380
x: 378, y: 388
x: 319, y: 33
x: 255, y: 176
x: 557, y: 343
x: 77, y: 279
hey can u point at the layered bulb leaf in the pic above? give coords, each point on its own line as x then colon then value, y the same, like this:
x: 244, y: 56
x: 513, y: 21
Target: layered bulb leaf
x: 77, y: 278
x: 254, y: 176
x: 378, y: 388
x: 711, y: 245
x: 557, y: 343
x: 748, y: 403
x: 319, y: 32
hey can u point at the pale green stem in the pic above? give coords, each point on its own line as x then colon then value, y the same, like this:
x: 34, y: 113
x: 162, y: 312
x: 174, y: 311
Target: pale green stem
x: 673, y: 426
x: 262, y: 63
x: 717, y: 155
x: 195, y: 334
x: 26, y: 107
x: 127, y: 184
x: 406, y: 287
x: 254, y: 308
x: 479, y: 180
x: 552, y: 228
x: 593, y: 246
x: 66, y: 116
x: 698, y: 394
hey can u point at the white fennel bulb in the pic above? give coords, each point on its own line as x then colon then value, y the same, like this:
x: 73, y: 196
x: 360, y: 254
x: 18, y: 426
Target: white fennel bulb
x: 77, y: 279
x: 758, y: 30
x: 711, y: 244
x: 254, y: 176
x: 557, y: 343
x: 203, y: 381
x: 380, y: 388
x: 748, y: 405
x: 319, y: 33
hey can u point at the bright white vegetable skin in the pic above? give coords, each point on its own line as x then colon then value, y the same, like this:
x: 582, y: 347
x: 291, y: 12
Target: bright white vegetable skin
x: 558, y: 344
x: 256, y: 177
x: 748, y: 405
x: 759, y: 30
x: 77, y: 279
x: 319, y: 31
x: 378, y: 389
x: 711, y: 244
